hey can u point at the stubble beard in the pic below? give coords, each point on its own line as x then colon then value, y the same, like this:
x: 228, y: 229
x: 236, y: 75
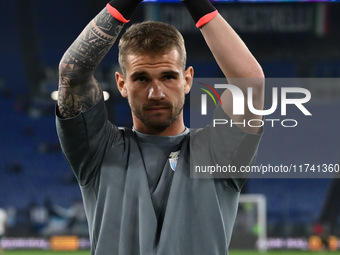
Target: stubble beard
x: 158, y: 122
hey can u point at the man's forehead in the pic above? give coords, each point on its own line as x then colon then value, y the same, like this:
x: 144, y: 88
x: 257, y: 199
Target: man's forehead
x: 171, y: 60
x: 147, y: 73
x: 173, y: 53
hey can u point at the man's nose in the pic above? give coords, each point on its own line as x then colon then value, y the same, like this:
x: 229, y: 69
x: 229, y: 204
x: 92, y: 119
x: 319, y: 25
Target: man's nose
x: 155, y: 91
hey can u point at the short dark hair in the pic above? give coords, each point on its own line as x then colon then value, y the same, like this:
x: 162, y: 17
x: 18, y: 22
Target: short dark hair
x: 151, y: 38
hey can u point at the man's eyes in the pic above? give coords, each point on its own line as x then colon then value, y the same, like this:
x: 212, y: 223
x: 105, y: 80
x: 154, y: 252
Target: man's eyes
x: 146, y: 79
x: 169, y: 77
x: 141, y: 79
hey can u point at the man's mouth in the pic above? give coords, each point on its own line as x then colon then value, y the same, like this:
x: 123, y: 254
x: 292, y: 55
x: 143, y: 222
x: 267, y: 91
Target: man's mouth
x: 159, y: 107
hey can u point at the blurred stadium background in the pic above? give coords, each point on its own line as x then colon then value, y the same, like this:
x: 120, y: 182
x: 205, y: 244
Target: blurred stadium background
x: 289, y: 39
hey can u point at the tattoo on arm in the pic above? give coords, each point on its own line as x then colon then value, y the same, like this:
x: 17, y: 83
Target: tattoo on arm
x: 78, y: 89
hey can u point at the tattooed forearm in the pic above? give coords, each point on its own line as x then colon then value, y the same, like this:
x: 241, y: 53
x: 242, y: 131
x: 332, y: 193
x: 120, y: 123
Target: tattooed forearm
x: 76, y: 99
x: 78, y: 90
x: 94, y: 42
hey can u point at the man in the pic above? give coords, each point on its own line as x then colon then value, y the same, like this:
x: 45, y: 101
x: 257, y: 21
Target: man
x: 136, y: 202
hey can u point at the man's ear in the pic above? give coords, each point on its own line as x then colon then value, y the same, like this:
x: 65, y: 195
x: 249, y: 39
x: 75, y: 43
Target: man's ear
x: 188, y: 76
x: 120, y: 80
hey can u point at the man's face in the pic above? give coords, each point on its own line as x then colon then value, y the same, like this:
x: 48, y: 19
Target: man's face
x: 155, y: 87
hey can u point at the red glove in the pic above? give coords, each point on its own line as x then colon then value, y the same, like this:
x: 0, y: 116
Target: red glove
x: 122, y: 9
x: 202, y: 11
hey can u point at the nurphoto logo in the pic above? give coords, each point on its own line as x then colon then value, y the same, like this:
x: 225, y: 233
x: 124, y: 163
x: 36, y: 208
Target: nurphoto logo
x: 204, y: 98
x: 288, y: 96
